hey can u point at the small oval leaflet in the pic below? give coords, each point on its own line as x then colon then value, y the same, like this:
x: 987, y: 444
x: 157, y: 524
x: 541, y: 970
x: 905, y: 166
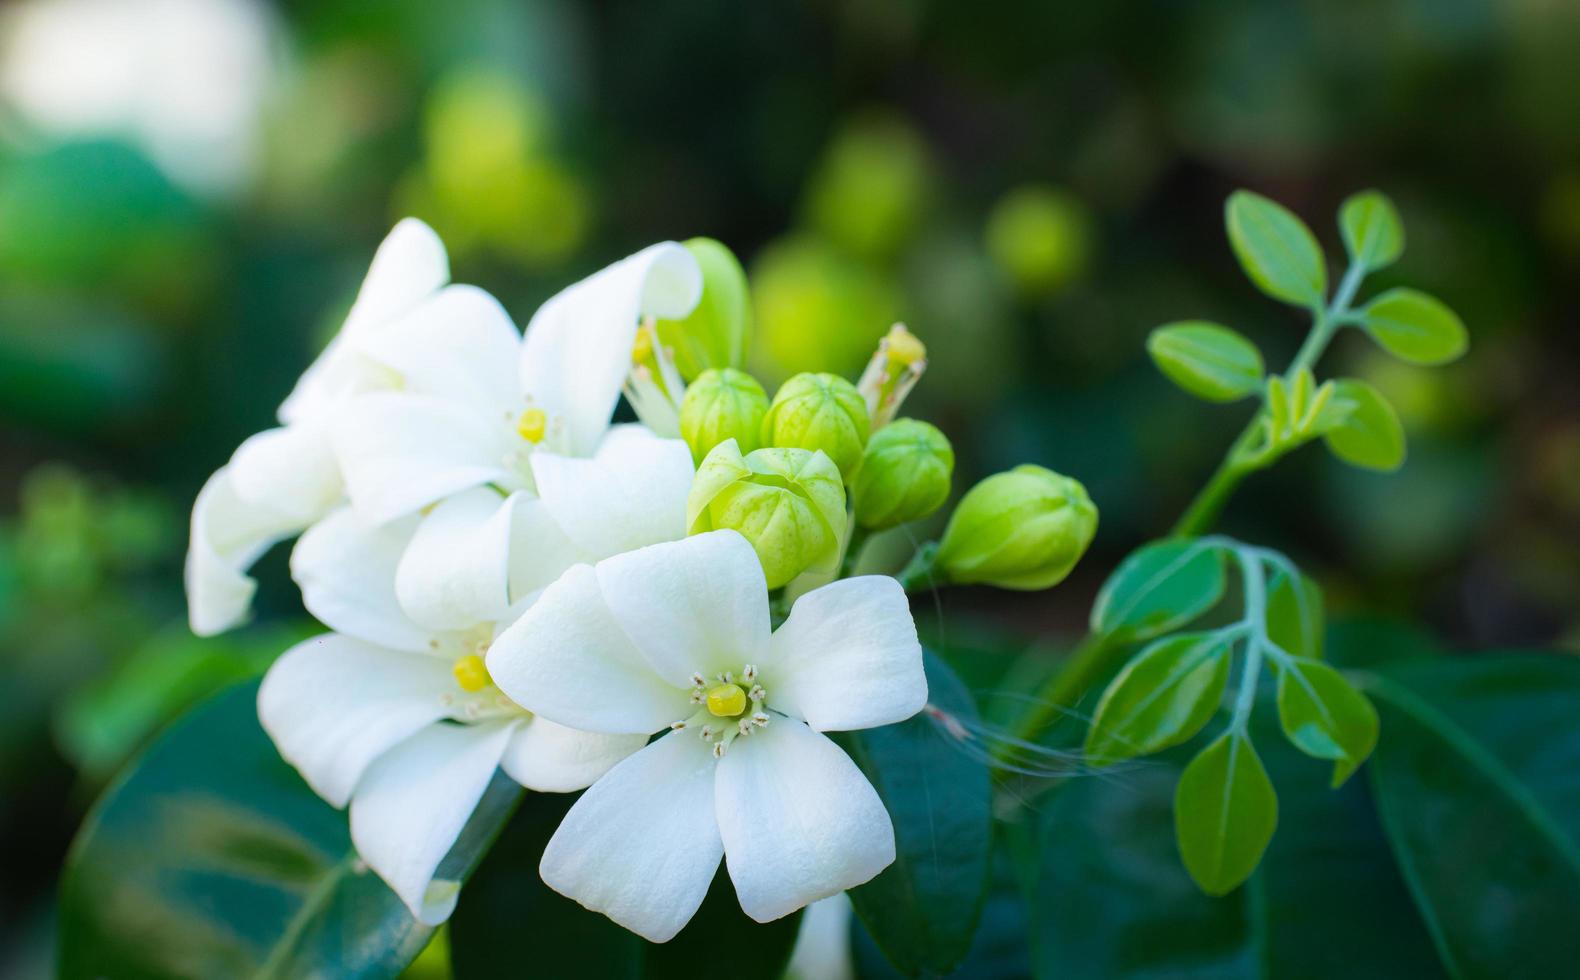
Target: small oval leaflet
x: 1373, y: 233
x: 1276, y: 249
x: 1370, y: 436
x: 1415, y: 327
x: 1207, y: 360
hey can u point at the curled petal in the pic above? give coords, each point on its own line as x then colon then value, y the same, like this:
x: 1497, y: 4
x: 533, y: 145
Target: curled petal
x: 412, y: 804
x: 228, y: 535
x: 577, y: 352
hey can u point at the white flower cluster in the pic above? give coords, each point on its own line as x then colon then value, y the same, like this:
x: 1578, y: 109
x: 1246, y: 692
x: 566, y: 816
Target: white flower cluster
x: 508, y: 584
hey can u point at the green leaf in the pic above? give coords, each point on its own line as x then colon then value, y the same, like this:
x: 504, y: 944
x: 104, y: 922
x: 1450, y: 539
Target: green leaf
x: 1161, y: 698
x: 1373, y: 233
x: 1106, y: 894
x: 1477, y: 781
x: 1276, y: 249
x: 1415, y: 327
x: 210, y: 857
x: 1324, y: 716
x: 1207, y: 360
x: 923, y: 909
x: 1224, y: 814
x: 510, y: 924
x: 1159, y: 587
x: 1294, y: 615
x: 1369, y: 434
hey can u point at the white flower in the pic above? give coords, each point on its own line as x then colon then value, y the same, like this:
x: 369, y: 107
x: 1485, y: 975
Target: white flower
x: 401, y: 721
x: 677, y: 636
x: 480, y: 406
x: 282, y: 480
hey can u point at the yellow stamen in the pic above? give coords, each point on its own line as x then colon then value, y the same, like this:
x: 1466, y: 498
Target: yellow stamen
x: 472, y: 673
x: 642, y: 349
x: 534, y: 422
x: 726, y: 700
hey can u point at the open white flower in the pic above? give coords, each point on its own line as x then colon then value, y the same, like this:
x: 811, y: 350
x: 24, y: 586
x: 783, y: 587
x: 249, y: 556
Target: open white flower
x: 402, y: 721
x: 678, y: 636
x: 282, y: 480
x: 480, y: 405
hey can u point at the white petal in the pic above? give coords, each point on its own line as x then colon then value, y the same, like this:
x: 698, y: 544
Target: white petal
x: 540, y: 552
x: 642, y: 845
x: 822, y: 947
x: 413, y: 802
x: 346, y: 568
x: 799, y: 821
x: 568, y: 660
x: 699, y: 604
x: 400, y: 453
x: 551, y: 758
x: 578, y: 345
x: 409, y: 265
x: 458, y: 344
x: 455, y: 573
x: 228, y: 535
x: 631, y: 494
x: 847, y: 657
x: 333, y: 704
x: 291, y: 470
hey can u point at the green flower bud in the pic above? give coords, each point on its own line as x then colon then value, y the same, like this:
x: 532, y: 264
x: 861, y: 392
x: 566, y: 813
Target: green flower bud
x: 714, y: 334
x: 904, y: 475
x: 819, y: 411
x: 1024, y: 529
x: 719, y: 405
x: 789, y: 503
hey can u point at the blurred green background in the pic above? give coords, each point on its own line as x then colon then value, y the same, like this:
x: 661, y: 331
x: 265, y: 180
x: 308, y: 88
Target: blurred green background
x: 190, y: 191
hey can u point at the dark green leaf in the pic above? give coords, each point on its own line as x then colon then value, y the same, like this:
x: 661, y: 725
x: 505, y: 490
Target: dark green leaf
x: 1108, y: 897
x: 1370, y: 434
x: 923, y: 909
x: 1294, y: 615
x: 510, y: 924
x: 1161, y: 698
x: 1158, y: 588
x: 210, y: 857
x: 1276, y: 249
x: 1415, y: 327
x: 1477, y: 779
x: 1224, y: 814
x: 1207, y: 360
x: 1324, y: 716
x: 1373, y: 233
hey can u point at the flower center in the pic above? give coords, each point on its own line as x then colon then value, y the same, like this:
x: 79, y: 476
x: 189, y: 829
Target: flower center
x: 471, y: 672
x: 532, y: 425
x: 731, y: 707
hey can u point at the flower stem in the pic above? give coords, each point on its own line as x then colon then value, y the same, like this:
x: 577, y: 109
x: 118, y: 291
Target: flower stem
x: 1097, y: 655
x: 1210, y: 501
x: 853, y: 546
x: 918, y: 572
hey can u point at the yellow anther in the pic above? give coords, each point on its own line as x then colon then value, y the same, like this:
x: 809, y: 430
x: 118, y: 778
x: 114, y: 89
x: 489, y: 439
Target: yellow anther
x: 532, y: 424
x: 472, y: 673
x: 726, y: 700
x: 903, y: 347
x: 642, y: 349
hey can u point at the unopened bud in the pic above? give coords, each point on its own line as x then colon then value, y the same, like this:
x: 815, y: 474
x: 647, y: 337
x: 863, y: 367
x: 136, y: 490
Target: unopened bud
x: 1024, y: 529
x: 714, y: 334
x: 719, y: 405
x: 819, y: 412
x: 789, y: 503
x: 904, y: 475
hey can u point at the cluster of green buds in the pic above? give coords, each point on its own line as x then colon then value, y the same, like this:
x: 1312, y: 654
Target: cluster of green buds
x: 806, y: 475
